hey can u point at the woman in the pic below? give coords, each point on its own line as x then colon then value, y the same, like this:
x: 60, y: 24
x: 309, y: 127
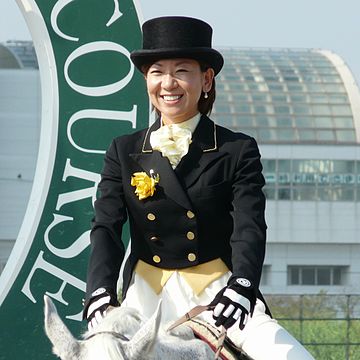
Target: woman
x: 192, y: 192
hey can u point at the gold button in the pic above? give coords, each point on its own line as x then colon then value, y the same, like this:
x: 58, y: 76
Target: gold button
x: 190, y: 235
x: 151, y: 216
x: 154, y: 238
x: 190, y: 214
x: 191, y: 257
x: 156, y: 259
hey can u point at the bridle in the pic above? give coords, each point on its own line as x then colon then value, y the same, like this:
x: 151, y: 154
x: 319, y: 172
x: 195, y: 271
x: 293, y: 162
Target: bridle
x: 112, y: 333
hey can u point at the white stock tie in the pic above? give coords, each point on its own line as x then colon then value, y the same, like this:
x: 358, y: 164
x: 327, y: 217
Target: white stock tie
x: 172, y: 141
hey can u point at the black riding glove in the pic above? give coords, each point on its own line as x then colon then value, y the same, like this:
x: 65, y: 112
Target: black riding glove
x: 96, y: 308
x: 233, y: 302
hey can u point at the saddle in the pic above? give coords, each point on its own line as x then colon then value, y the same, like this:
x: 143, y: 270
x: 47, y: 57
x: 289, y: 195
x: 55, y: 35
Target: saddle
x: 211, y: 335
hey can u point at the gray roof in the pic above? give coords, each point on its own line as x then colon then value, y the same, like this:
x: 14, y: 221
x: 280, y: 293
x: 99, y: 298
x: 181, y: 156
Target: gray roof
x: 287, y: 96
x: 18, y: 55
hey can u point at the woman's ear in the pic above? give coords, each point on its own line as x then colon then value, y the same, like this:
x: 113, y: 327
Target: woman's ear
x: 208, y: 79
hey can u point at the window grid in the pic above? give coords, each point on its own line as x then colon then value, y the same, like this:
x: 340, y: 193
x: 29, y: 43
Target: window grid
x: 307, y: 275
x: 312, y: 180
x: 278, y: 83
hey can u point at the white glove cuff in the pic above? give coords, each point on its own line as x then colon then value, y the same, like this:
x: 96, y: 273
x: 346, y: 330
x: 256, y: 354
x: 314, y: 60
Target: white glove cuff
x: 98, y: 303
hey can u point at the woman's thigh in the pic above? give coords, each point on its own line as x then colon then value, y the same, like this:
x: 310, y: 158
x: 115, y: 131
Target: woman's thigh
x: 264, y: 339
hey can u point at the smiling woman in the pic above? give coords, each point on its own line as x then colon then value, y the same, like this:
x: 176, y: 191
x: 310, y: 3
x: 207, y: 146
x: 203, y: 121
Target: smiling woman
x: 199, y: 239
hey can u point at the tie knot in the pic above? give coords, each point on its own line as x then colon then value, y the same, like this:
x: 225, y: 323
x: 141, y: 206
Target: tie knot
x: 172, y: 141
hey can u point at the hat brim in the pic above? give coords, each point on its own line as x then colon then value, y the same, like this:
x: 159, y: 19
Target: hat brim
x: 208, y: 56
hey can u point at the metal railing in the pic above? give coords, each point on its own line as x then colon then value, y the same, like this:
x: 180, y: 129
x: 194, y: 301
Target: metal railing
x: 327, y: 325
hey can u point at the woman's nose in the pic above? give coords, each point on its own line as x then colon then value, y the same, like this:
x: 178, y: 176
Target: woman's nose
x: 169, y: 82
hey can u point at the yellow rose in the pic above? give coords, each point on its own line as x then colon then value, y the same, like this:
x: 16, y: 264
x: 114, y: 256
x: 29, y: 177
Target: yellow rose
x: 145, y: 184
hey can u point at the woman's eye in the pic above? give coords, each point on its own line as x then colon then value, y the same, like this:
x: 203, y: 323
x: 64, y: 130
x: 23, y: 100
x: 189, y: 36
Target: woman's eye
x: 155, y: 71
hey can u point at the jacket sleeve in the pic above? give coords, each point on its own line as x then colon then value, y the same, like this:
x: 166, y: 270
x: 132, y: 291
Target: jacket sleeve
x: 249, y: 227
x: 107, y: 249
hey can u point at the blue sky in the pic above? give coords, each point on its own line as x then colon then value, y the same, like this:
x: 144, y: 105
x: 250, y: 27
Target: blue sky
x: 326, y: 24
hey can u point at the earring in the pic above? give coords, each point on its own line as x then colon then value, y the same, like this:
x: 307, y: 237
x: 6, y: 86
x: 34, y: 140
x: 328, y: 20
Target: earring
x: 206, y: 95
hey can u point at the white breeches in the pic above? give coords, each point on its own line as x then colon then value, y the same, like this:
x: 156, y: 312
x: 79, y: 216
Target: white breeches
x: 263, y: 338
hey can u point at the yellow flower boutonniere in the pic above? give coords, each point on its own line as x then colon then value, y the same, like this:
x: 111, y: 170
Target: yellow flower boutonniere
x: 145, y: 184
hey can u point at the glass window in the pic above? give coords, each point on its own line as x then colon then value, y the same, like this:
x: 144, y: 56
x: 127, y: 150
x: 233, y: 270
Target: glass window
x: 295, y: 87
x: 269, y: 165
x: 287, y: 134
x: 284, y: 165
x: 331, y: 79
x: 276, y: 87
x: 246, y: 120
x: 285, y: 122
x: 325, y: 135
x: 261, y: 97
x: 336, y: 275
x: 316, y: 275
x: 346, y: 135
x: 308, y: 276
x: 319, y: 99
x: 341, y: 110
x: 238, y: 96
x: 323, y: 122
x: 343, y: 166
x: 321, y: 110
x: 242, y: 108
x: 279, y: 98
x: 338, y: 99
x: 301, y: 110
x: 304, y: 193
x: 265, y: 275
x: 299, y: 98
x: 324, y: 276
x: 315, y: 88
x: 307, y: 135
x: 344, y: 122
x: 265, y: 121
x: 294, y: 272
x: 267, y: 134
x: 338, y: 88
x: 304, y: 121
x: 269, y: 193
x: 284, y: 193
x: 282, y: 109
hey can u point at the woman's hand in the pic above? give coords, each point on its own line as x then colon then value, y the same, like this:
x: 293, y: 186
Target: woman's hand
x: 102, y: 301
x: 233, y: 302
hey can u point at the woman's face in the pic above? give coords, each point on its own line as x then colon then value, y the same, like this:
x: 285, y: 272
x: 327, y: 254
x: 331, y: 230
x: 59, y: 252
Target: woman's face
x: 175, y: 86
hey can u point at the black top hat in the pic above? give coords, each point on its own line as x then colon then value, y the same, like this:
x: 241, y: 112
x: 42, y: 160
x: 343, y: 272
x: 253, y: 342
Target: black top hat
x: 177, y: 37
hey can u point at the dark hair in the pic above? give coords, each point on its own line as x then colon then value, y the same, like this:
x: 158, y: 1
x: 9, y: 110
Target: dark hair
x: 204, y: 105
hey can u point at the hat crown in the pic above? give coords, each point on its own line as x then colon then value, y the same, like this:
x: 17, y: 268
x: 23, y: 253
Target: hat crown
x: 176, y: 32
x: 171, y: 37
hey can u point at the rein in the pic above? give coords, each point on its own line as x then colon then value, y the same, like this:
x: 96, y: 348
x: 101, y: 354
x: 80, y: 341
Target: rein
x: 112, y: 333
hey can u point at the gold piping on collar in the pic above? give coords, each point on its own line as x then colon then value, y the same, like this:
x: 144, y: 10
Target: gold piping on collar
x: 215, y: 140
x: 143, y: 147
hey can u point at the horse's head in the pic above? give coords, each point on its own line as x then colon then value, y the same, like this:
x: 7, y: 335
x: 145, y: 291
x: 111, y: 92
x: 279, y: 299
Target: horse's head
x: 103, y: 342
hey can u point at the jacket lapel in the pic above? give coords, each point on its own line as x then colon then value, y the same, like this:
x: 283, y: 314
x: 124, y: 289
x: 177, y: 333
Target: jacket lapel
x: 149, y: 159
x: 202, y: 151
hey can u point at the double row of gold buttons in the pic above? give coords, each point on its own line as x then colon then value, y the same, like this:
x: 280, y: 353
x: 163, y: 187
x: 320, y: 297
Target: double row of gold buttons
x: 190, y: 236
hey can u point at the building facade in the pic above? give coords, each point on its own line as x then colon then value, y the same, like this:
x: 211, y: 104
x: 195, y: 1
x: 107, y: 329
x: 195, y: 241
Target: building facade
x: 303, y: 108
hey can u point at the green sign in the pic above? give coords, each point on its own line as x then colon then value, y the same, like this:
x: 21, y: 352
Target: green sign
x: 91, y: 93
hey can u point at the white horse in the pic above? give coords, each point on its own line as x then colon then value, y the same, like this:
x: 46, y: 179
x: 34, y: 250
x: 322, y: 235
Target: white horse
x: 124, y: 335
